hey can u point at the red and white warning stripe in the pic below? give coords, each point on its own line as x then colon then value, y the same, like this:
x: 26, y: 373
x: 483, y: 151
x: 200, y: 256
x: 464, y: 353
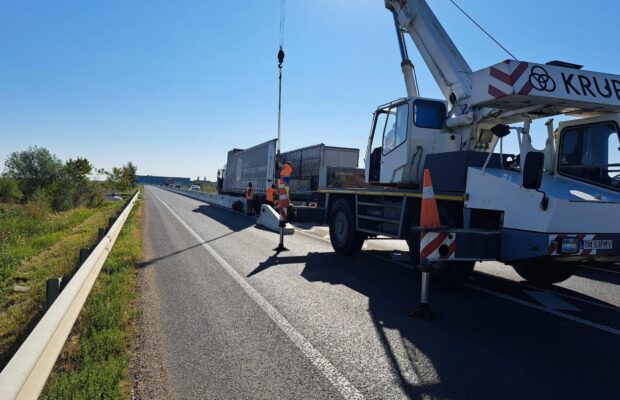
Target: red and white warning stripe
x: 433, y: 244
x: 555, y: 243
x: 283, y: 202
x: 509, y: 78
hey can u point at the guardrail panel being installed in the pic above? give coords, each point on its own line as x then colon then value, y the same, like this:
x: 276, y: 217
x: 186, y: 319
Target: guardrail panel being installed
x: 26, y: 373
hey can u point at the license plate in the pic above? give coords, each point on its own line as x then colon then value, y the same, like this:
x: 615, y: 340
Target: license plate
x: 596, y: 244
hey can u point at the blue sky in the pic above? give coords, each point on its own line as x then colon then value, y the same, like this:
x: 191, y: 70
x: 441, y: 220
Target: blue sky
x: 173, y: 85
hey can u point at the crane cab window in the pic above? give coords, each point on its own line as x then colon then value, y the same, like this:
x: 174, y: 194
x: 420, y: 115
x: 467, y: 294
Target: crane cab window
x: 395, y: 127
x: 429, y: 114
x: 591, y: 153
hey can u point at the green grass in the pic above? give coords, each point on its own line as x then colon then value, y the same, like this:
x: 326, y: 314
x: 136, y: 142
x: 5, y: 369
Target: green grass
x: 36, y: 246
x: 24, y: 233
x: 94, y: 361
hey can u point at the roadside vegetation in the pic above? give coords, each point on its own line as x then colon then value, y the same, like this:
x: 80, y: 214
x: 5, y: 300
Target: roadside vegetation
x: 94, y: 361
x: 49, y: 209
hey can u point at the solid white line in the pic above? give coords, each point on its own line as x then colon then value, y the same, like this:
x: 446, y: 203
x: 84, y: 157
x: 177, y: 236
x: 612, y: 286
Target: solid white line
x: 541, y: 308
x: 341, y: 383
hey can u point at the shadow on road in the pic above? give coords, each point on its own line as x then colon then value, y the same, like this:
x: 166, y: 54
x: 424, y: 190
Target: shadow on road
x: 147, y: 263
x: 482, y: 348
x: 226, y: 217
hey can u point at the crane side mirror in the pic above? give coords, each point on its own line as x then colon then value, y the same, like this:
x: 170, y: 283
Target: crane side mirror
x: 533, y: 170
x: 500, y: 130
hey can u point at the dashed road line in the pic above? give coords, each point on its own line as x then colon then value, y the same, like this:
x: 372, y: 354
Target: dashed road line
x: 550, y: 301
x: 547, y: 310
x: 611, y: 271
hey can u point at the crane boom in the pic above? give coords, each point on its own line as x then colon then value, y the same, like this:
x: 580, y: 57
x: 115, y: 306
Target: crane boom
x: 445, y: 62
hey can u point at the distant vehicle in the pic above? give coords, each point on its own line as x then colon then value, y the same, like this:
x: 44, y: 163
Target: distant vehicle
x: 113, y: 197
x: 195, y: 188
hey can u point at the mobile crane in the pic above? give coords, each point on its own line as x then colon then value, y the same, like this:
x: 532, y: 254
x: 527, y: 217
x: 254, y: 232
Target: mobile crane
x: 540, y: 211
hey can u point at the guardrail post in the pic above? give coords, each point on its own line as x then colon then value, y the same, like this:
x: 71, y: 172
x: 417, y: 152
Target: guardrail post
x: 64, y: 281
x: 111, y: 221
x: 100, y: 234
x: 52, y: 290
x: 84, y: 253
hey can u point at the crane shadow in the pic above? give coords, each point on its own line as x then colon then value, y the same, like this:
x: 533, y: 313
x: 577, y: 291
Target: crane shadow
x: 445, y: 358
x: 225, y: 217
x: 147, y: 263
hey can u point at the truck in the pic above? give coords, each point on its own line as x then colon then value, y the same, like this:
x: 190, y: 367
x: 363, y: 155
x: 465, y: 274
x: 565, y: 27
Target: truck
x: 540, y: 211
x: 311, y: 164
x: 312, y: 168
x: 256, y: 165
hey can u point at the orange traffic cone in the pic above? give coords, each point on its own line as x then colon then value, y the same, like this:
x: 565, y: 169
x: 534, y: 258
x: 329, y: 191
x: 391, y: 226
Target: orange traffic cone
x: 429, y: 217
x: 429, y: 241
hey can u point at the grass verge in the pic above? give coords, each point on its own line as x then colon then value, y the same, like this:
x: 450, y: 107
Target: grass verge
x: 94, y: 361
x: 35, y: 249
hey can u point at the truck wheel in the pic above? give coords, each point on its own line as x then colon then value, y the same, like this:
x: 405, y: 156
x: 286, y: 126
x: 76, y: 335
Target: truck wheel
x: 545, y: 272
x: 342, y: 234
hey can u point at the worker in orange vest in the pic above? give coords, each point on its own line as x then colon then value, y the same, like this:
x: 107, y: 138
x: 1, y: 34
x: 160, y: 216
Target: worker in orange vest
x: 285, y: 173
x: 249, y: 199
x: 270, y: 196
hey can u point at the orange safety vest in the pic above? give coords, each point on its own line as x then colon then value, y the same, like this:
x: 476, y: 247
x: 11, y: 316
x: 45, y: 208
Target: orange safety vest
x: 286, y: 170
x: 270, y: 192
x: 249, y: 194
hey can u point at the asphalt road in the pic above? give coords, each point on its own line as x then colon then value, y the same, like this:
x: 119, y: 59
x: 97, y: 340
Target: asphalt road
x: 235, y: 321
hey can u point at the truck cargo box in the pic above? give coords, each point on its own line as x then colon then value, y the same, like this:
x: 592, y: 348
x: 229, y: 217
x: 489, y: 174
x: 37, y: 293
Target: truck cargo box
x: 256, y: 165
x: 309, y: 161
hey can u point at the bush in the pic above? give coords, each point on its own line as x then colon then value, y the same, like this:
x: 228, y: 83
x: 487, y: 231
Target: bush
x: 9, y: 190
x: 39, y: 205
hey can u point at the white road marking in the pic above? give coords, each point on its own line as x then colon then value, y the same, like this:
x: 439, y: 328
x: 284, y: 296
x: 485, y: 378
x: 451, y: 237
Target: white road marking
x: 568, y: 296
x: 600, y: 269
x: 338, y: 380
x: 541, y: 308
x: 503, y: 296
x: 550, y: 301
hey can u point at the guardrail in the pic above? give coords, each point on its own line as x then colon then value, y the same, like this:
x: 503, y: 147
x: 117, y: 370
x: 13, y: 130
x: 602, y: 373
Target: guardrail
x: 221, y: 200
x: 25, y: 375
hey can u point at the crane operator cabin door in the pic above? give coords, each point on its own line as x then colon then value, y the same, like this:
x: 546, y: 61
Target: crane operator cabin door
x: 388, y: 156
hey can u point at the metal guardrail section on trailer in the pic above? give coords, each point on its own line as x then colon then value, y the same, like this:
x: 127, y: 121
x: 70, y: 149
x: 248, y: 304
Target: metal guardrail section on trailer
x: 26, y: 373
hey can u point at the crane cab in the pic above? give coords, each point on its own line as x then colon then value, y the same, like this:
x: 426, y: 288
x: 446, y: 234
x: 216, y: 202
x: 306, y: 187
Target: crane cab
x: 403, y: 132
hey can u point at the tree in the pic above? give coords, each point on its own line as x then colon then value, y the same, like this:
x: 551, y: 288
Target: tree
x: 34, y: 168
x: 9, y: 190
x: 122, y: 178
x: 130, y: 174
x: 76, y: 174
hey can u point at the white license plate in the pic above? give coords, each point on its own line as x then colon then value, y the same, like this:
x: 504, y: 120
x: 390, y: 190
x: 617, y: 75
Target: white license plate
x: 597, y: 244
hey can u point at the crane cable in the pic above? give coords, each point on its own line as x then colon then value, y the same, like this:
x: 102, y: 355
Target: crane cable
x: 483, y: 30
x: 280, y: 61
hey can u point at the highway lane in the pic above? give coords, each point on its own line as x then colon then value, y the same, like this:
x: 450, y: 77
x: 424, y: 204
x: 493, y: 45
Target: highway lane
x: 210, y: 269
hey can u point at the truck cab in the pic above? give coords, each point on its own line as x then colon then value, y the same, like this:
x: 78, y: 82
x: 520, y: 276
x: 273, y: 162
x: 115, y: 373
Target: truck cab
x: 403, y: 132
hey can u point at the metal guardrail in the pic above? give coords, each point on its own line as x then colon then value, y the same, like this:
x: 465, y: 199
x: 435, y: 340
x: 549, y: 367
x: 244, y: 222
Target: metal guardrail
x: 25, y: 375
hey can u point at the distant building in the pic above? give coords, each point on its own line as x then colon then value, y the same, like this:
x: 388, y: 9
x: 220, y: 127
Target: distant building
x: 162, y: 180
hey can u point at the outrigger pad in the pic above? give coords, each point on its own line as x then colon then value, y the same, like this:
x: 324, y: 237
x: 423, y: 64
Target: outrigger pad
x: 425, y: 312
x: 270, y: 219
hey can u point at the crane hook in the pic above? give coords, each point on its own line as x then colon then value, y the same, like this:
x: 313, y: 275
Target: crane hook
x: 280, y: 57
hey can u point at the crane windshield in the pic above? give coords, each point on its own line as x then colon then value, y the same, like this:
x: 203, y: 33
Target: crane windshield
x: 591, y: 153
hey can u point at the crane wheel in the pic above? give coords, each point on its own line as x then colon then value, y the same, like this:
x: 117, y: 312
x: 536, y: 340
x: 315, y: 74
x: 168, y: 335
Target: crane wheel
x: 545, y: 272
x: 342, y: 234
